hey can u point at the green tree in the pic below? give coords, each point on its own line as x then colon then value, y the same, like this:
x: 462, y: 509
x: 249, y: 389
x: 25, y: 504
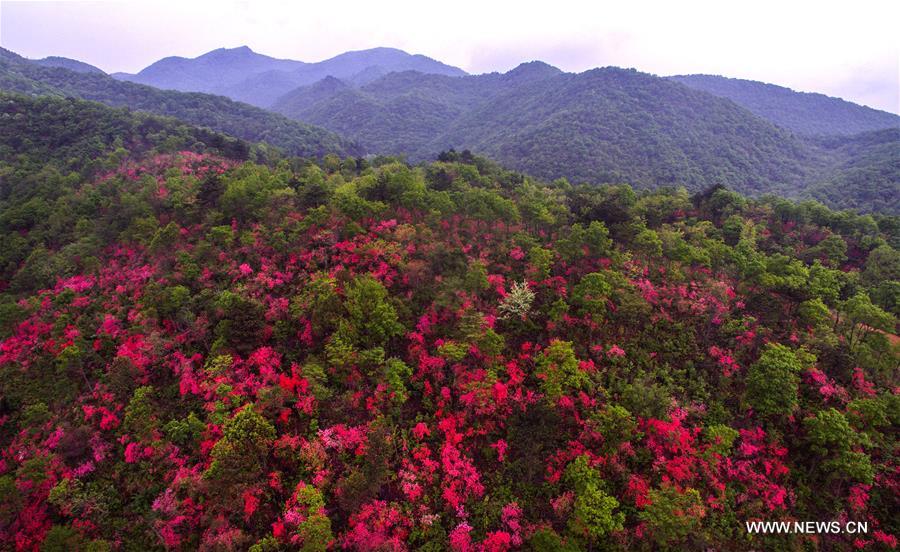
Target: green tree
x: 558, y: 366
x: 371, y: 317
x: 773, y: 380
x: 673, y: 515
x: 594, y: 512
x: 240, y: 455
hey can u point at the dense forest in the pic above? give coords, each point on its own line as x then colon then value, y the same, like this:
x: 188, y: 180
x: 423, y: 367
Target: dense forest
x: 206, y: 345
x: 612, y: 126
x: 802, y: 112
x: 604, y: 126
x: 215, y: 112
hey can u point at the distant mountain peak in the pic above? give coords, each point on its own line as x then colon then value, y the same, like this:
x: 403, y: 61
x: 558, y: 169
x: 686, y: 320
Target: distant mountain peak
x: 244, y: 75
x: 533, y: 69
x: 535, y: 65
x: 70, y: 64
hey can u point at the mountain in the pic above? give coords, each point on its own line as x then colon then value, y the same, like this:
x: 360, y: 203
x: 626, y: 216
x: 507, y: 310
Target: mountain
x: 605, y: 125
x: 211, y: 72
x: 79, y: 135
x: 70, y: 64
x: 247, y: 76
x: 802, y: 112
x: 215, y: 112
x: 864, y: 172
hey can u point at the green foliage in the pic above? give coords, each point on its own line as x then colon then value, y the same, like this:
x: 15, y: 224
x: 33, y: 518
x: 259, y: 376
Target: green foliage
x: 62, y: 538
x: 721, y: 437
x: 591, y: 295
x: 240, y: 455
x: 370, y: 316
x: 829, y: 431
x: 673, y: 515
x: 185, y: 431
x: 593, y: 515
x: 814, y: 312
x: 772, y: 380
x: 616, y: 424
x: 139, y: 418
x: 396, y: 374
x: 558, y: 366
x: 315, y: 531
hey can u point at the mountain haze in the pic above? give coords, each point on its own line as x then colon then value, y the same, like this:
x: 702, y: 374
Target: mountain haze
x: 244, y: 75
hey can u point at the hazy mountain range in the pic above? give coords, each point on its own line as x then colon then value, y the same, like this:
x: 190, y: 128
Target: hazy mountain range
x: 218, y: 113
x: 605, y: 125
x: 243, y: 75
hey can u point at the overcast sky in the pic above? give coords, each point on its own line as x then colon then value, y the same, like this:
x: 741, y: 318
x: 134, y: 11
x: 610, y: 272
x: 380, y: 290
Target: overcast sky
x: 845, y: 49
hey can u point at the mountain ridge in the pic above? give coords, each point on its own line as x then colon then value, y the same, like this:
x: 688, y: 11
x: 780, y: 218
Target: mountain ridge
x: 244, y: 75
x: 218, y: 113
x: 808, y: 113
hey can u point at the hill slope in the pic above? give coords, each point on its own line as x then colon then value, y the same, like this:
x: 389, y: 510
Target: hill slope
x: 218, y: 113
x: 78, y: 135
x: 70, y: 64
x: 802, y: 112
x: 864, y: 172
x: 244, y: 75
x: 602, y: 125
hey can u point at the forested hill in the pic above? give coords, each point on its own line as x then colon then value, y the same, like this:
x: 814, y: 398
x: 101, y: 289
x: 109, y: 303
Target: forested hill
x: 18, y: 74
x: 802, y: 112
x: 70, y: 64
x: 199, y: 353
x: 605, y: 125
x: 601, y: 126
x: 244, y: 75
x: 864, y: 172
x: 77, y: 135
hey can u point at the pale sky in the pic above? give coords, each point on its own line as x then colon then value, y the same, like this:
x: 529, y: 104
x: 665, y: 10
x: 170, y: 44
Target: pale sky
x: 845, y: 49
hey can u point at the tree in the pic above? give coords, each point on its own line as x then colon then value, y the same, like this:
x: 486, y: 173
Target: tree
x: 594, y: 512
x: 773, y: 380
x: 370, y: 317
x: 861, y: 317
x: 673, y: 515
x: 517, y: 302
x: 558, y: 367
x: 240, y: 455
x: 591, y: 295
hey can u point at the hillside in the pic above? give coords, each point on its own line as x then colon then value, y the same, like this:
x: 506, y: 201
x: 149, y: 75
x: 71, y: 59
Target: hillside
x: 204, y: 353
x: 605, y: 125
x: 70, y: 64
x: 215, y: 112
x: 802, y: 112
x: 616, y: 125
x: 864, y: 173
x: 77, y: 135
x: 244, y: 75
